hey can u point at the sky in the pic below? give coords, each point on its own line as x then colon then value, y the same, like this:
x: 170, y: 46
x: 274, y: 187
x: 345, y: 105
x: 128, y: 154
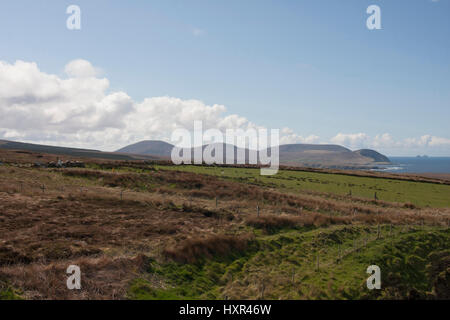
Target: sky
x: 141, y: 69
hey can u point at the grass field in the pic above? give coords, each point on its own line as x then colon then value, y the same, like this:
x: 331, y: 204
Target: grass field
x: 142, y: 231
x: 314, y: 264
x: 418, y: 193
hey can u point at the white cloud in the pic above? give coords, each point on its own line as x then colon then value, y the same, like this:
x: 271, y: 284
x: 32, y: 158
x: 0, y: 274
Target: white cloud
x: 81, y: 69
x: 438, y: 141
x: 386, y: 142
x: 43, y: 107
x: 80, y: 111
x: 427, y: 141
x: 158, y: 117
x: 354, y: 140
x: 287, y: 136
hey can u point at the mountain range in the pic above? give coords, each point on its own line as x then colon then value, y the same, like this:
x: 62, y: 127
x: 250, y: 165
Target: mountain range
x: 300, y: 155
x: 71, y: 152
x: 313, y: 155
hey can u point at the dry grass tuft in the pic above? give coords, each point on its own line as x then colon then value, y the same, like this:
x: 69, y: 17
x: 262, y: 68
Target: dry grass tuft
x: 271, y: 223
x: 194, y: 249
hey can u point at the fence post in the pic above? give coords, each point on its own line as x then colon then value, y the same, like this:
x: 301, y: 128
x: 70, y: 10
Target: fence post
x: 263, y: 287
x: 317, y: 263
x: 257, y: 210
x: 159, y: 248
x: 43, y: 188
x: 121, y: 194
x: 216, y: 202
x: 375, y: 196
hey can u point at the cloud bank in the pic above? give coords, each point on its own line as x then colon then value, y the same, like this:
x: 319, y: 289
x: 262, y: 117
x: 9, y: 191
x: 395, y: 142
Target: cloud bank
x: 387, y: 142
x: 79, y: 110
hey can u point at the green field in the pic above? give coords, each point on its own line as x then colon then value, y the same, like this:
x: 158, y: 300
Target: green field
x: 326, y: 263
x: 421, y: 194
x: 205, y: 232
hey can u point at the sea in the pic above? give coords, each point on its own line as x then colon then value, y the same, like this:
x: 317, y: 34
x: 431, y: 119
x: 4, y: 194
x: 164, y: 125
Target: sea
x: 417, y: 165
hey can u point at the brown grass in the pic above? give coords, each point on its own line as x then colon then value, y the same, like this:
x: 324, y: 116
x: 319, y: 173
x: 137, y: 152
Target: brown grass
x: 272, y: 223
x: 194, y: 249
x: 80, y: 218
x: 101, y: 278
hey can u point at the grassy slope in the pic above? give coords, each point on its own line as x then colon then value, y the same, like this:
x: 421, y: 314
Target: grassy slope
x: 285, y: 264
x: 284, y: 261
x: 289, y: 257
x: 419, y: 193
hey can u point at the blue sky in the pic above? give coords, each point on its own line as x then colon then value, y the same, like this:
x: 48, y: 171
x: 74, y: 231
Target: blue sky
x: 311, y: 65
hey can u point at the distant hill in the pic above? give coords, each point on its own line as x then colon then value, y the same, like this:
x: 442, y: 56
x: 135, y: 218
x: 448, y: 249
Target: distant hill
x: 300, y: 155
x: 74, y: 152
x: 376, y: 156
x: 315, y: 147
x: 313, y: 155
x: 329, y: 156
x: 149, y: 147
